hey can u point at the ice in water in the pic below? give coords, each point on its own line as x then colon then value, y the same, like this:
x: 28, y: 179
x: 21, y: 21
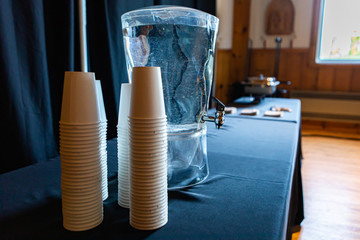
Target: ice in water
x: 186, y: 57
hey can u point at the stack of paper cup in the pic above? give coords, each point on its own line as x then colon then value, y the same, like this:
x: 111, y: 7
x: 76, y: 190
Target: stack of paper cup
x: 148, y: 150
x: 123, y: 147
x: 103, y: 122
x: 82, y: 152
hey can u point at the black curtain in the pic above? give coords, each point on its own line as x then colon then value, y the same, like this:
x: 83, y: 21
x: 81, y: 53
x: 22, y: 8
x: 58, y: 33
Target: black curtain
x: 38, y: 43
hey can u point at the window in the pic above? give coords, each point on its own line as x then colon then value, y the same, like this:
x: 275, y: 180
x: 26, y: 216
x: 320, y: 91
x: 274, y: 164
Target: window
x: 338, y: 40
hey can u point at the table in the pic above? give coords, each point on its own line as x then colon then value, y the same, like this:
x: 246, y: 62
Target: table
x: 253, y: 191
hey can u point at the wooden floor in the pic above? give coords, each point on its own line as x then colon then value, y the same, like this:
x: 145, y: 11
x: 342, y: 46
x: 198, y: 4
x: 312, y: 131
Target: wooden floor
x: 331, y: 181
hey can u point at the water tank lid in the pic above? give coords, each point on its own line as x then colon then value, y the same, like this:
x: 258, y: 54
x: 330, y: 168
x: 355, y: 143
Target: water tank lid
x: 165, y: 14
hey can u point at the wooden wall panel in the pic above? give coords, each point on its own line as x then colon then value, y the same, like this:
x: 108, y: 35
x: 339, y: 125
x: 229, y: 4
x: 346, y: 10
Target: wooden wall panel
x: 342, y: 80
x: 295, y: 67
x: 309, y: 75
x: 293, y: 72
x: 325, y: 79
x: 240, y: 39
x: 223, y: 79
x: 355, y: 80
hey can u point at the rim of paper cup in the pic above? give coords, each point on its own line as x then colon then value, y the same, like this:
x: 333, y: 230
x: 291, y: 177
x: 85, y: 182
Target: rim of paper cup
x: 82, y: 142
x: 83, y: 152
x: 85, y: 130
x: 81, y: 160
x: 79, y: 124
x: 149, y: 136
x: 155, y: 223
x: 100, y: 128
x: 82, y: 170
x: 147, y: 227
x: 78, y: 144
x: 78, y: 216
x: 77, y: 201
x: 78, y: 228
x: 140, y: 169
x: 148, y: 153
x: 139, y: 140
x: 149, y: 216
x: 84, y: 145
x: 146, y: 199
x: 84, y: 221
x: 80, y: 149
x: 150, y: 175
x: 80, y: 163
x: 91, y: 194
x: 143, y: 131
x: 79, y: 137
x: 80, y: 210
x: 80, y: 189
x: 95, y: 153
x: 68, y: 158
x: 84, y: 200
x: 96, y: 175
x: 146, y: 119
x: 83, y: 224
x: 140, y: 180
x: 80, y: 197
x: 145, y: 182
x: 80, y: 184
x: 147, y: 125
x: 87, y: 205
x: 76, y: 136
x: 154, y: 145
x: 151, y: 212
x: 78, y: 166
x: 148, y: 164
x: 150, y: 187
x: 93, y: 197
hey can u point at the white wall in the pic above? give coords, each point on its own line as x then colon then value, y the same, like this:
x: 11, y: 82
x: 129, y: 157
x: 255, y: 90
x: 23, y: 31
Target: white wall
x: 302, y: 25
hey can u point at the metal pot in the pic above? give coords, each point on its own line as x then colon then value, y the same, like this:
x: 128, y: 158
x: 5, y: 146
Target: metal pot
x: 260, y: 85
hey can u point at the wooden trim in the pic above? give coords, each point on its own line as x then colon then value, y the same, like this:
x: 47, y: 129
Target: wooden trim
x: 313, y: 41
x: 240, y: 39
x: 283, y: 50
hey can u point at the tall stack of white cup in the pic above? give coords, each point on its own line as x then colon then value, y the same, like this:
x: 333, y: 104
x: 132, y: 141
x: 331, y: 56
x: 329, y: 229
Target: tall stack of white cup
x: 123, y: 147
x: 148, y: 150
x: 82, y: 152
x: 103, y: 122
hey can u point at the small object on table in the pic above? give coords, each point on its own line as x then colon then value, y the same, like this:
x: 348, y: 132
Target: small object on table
x: 273, y: 114
x: 230, y: 110
x: 244, y: 100
x: 250, y: 112
x: 280, y: 109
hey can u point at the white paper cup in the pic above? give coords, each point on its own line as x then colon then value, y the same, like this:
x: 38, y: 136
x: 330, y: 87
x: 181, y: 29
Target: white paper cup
x: 124, y: 105
x: 79, y: 103
x: 100, y: 101
x: 147, y: 99
x: 152, y: 225
x: 148, y: 137
x: 147, y: 120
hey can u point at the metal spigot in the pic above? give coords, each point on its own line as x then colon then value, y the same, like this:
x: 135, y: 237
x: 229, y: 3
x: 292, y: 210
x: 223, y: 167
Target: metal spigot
x: 219, y: 117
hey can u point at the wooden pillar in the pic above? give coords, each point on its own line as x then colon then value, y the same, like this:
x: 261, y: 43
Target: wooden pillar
x: 240, y: 40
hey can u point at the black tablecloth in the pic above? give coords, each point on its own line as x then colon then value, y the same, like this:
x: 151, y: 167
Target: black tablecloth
x: 253, y: 192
